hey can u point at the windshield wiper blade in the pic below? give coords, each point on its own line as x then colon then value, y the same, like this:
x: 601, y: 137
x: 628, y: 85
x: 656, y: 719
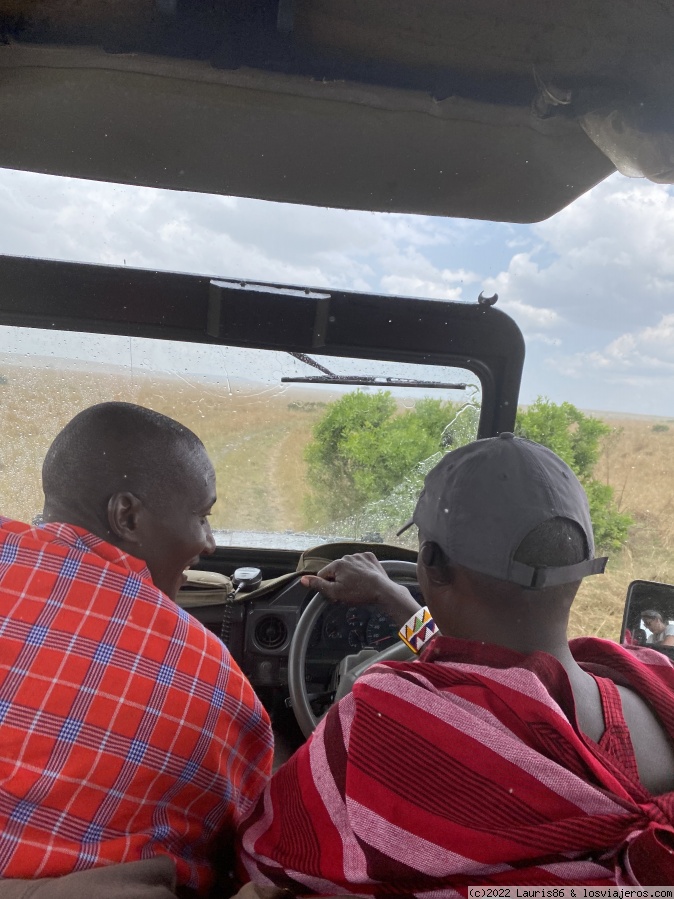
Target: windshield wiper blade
x: 366, y: 381
x: 362, y: 380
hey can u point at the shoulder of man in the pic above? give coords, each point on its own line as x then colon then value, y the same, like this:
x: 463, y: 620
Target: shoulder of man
x: 595, y: 650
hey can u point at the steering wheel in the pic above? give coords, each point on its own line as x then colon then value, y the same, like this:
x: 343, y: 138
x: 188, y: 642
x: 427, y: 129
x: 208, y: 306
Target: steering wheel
x: 297, y: 654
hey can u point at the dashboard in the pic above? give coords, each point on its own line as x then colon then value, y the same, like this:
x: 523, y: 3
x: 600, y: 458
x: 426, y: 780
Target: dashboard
x: 347, y: 629
x: 258, y: 633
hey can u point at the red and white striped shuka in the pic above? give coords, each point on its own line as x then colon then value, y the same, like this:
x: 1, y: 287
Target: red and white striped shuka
x: 466, y: 768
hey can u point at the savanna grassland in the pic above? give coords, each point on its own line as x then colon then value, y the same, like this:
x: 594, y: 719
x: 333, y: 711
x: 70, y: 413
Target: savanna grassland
x: 256, y: 440
x: 638, y: 461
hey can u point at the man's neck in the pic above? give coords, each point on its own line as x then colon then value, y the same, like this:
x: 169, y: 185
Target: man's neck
x: 525, y: 634
x: 78, y: 518
x: 474, y: 608
x: 553, y: 641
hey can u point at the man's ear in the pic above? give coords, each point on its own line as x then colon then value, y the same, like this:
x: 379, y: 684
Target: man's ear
x: 437, y: 567
x: 123, y: 516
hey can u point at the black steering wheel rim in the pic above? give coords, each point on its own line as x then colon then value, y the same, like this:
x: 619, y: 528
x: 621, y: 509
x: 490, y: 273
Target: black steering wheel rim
x: 297, y: 654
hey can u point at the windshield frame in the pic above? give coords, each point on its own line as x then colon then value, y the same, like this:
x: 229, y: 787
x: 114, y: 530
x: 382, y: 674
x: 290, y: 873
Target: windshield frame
x: 49, y: 294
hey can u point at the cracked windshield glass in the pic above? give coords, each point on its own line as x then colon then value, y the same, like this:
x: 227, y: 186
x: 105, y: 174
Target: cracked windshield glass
x: 297, y: 464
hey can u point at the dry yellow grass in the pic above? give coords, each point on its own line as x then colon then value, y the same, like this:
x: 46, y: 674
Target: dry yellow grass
x: 256, y: 443
x: 638, y: 462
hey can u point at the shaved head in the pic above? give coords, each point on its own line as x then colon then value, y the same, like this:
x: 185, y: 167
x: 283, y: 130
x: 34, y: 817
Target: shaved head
x: 125, y: 473
x: 113, y: 447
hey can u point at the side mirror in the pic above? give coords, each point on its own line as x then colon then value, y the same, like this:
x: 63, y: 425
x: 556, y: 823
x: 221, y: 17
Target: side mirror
x: 646, y: 596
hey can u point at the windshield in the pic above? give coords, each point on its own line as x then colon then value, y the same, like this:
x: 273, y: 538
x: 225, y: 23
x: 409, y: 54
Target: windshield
x: 288, y: 476
x: 590, y: 288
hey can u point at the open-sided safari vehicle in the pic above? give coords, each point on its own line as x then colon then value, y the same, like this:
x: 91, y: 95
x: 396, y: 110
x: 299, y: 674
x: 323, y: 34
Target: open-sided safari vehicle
x: 482, y: 110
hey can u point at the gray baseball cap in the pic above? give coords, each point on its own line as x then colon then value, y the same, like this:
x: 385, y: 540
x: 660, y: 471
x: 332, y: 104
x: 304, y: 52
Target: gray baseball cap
x: 481, y: 500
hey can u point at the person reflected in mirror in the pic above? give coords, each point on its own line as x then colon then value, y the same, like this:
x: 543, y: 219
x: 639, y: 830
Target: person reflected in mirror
x: 127, y: 730
x: 503, y: 753
x: 661, y: 631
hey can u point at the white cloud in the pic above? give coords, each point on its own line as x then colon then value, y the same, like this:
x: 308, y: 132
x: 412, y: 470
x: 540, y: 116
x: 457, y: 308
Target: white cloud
x: 605, y: 262
x: 643, y: 354
x: 417, y: 287
x: 537, y: 337
x: 514, y: 287
x: 411, y: 274
x: 231, y: 237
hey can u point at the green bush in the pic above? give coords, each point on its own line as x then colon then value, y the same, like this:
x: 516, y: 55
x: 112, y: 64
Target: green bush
x: 610, y: 525
x: 577, y: 438
x: 660, y: 428
x: 367, y: 460
x: 363, y: 449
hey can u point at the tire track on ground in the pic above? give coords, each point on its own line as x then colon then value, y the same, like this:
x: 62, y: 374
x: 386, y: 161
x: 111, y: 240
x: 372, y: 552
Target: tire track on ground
x: 280, y: 503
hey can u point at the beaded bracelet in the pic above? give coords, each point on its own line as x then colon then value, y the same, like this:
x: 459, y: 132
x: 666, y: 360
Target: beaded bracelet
x: 418, y: 630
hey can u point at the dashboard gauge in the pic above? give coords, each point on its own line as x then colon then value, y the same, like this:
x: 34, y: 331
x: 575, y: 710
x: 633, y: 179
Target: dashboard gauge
x: 356, y: 638
x: 380, y: 631
x: 333, y: 628
x: 355, y: 616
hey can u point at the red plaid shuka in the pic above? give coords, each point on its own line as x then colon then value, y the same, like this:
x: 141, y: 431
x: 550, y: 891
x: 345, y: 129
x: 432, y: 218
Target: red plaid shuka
x: 464, y: 769
x: 126, y: 729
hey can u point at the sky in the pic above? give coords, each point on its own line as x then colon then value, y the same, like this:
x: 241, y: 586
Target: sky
x: 591, y: 288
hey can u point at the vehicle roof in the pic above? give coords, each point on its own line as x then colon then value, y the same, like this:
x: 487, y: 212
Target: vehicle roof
x: 465, y: 108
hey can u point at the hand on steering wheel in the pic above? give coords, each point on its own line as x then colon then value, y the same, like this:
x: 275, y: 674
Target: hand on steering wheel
x: 361, y: 579
x: 357, y: 579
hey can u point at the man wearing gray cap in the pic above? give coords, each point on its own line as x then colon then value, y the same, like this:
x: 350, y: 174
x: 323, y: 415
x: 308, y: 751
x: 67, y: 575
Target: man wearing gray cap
x: 502, y: 754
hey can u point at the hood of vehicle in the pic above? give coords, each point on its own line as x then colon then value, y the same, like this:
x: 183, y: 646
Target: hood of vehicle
x: 460, y: 108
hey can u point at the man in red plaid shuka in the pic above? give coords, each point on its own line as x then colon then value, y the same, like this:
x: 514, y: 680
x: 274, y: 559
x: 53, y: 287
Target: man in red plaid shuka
x: 504, y: 755
x: 126, y: 729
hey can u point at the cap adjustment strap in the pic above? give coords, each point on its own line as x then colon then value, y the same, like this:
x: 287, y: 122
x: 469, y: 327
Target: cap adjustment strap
x: 538, y: 578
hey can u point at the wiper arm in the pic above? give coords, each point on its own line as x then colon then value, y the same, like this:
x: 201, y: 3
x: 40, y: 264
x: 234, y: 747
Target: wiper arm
x: 362, y: 380
x: 309, y: 361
